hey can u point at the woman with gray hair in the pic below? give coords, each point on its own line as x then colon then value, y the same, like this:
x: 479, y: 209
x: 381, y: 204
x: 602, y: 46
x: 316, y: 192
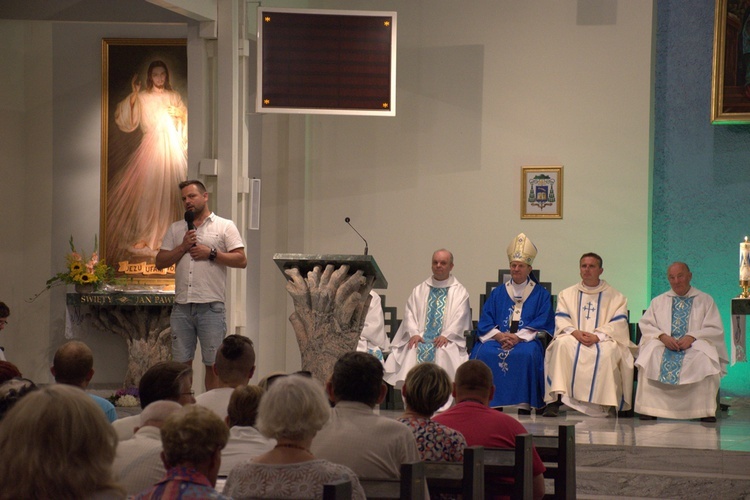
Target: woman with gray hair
x: 292, y: 412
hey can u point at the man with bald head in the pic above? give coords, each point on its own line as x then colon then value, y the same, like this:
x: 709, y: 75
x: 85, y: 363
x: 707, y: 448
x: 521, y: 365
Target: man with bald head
x: 480, y: 424
x: 436, y: 316
x: 74, y: 365
x: 682, y: 354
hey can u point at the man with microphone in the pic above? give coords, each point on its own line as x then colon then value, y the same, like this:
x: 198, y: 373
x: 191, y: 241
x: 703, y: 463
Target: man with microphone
x: 202, y: 246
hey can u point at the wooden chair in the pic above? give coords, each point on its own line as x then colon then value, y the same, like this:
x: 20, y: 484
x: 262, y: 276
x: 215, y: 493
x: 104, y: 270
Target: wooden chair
x: 559, y: 456
x: 517, y: 463
x: 339, y: 490
x: 412, y: 484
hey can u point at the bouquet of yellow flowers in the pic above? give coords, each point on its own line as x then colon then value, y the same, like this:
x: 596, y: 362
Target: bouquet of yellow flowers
x: 82, y: 270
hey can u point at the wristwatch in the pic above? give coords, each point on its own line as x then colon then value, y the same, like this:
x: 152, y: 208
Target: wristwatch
x: 212, y: 255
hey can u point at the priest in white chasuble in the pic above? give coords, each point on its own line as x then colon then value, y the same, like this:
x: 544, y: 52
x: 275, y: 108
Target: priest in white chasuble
x: 589, y: 364
x: 436, y: 316
x: 513, y: 315
x: 682, y: 354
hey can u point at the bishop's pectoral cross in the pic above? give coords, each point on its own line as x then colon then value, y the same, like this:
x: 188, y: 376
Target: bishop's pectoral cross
x: 589, y: 309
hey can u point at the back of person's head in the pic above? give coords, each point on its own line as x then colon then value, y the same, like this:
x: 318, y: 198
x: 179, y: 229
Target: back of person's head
x: 235, y: 360
x: 56, y: 443
x: 357, y: 376
x: 8, y: 371
x: 162, y: 381
x: 243, y: 405
x: 294, y: 408
x: 73, y: 363
x: 157, y: 412
x: 192, y: 435
x: 427, y: 387
x: 473, y: 377
x: 11, y: 391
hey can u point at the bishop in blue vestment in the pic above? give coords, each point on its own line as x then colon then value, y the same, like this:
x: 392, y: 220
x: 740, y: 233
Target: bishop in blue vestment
x: 511, y: 318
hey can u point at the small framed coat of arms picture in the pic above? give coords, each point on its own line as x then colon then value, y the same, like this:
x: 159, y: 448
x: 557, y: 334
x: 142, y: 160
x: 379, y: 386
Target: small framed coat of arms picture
x: 541, y: 192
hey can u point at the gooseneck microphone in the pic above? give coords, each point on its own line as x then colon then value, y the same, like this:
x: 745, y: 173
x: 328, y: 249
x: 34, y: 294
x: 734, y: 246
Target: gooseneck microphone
x: 363, y: 238
x: 189, y: 218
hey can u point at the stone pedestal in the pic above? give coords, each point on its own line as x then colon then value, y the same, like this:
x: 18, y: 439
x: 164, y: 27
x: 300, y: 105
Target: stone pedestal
x: 142, y: 319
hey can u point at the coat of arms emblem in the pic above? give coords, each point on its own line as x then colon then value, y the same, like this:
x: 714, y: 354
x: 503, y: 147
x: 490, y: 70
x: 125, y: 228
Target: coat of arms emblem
x: 541, y: 191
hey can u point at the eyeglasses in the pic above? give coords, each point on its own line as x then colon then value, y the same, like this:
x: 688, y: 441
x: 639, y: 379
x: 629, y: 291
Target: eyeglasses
x: 190, y: 393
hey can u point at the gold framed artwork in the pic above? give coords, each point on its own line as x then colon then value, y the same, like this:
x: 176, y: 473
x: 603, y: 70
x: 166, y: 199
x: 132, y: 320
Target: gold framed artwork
x: 541, y: 192
x: 730, y: 79
x: 144, y: 152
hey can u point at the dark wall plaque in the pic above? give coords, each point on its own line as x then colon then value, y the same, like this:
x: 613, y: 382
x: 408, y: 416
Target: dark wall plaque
x: 326, y: 62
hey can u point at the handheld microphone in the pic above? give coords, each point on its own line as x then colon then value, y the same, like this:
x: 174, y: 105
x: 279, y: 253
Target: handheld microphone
x: 189, y: 218
x: 363, y: 238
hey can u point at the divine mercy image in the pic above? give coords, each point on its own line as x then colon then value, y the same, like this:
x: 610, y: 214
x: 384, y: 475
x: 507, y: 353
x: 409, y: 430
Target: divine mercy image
x: 147, y: 160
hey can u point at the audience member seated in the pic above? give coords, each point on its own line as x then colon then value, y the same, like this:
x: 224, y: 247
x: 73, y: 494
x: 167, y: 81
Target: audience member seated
x: 426, y: 389
x: 234, y: 367
x: 11, y: 391
x: 138, y: 464
x: 682, y: 354
x: 245, y: 442
x: 373, y: 338
x: 436, y: 316
x: 588, y: 365
x: 373, y: 446
x: 292, y: 412
x: 192, y: 439
x: 515, y: 312
x: 480, y: 424
x: 166, y: 380
x: 56, y: 443
x: 4, y: 313
x: 73, y: 364
x: 8, y: 371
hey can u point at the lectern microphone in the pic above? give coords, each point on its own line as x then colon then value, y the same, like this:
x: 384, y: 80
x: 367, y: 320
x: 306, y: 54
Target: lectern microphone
x: 363, y: 238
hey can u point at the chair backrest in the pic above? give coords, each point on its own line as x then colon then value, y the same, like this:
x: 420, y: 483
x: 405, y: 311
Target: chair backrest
x: 389, y: 318
x: 559, y: 456
x: 412, y: 484
x: 339, y: 490
x: 456, y: 478
x: 516, y: 463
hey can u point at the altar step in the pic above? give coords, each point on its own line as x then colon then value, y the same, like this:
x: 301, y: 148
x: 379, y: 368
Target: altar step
x: 651, y: 472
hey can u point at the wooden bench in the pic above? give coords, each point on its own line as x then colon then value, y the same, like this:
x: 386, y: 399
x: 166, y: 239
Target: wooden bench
x: 339, y: 490
x: 412, y: 484
x: 559, y: 456
x: 485, y: 471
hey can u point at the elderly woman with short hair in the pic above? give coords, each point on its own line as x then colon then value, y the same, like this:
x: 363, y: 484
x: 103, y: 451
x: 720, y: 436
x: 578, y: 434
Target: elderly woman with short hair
x: 426, y: 389
x: 292, y: 412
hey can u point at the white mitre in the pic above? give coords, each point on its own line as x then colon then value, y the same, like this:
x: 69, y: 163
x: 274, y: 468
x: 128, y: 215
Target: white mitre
x: 521, y: 249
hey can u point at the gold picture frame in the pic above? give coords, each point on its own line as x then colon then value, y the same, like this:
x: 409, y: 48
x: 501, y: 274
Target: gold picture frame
x: 541, y: 192
x: 730, y: 78
x: 144, y: 152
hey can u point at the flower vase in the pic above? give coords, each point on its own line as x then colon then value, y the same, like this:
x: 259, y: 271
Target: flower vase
x: 85, y: 288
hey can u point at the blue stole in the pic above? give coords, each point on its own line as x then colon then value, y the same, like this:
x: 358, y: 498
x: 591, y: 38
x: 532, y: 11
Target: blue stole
x: 671, y: 361
x: 433, y: 324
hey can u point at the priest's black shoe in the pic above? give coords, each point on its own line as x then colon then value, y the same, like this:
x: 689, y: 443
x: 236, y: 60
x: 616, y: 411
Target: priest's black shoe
x: 709, y: 420
x: 646, y: 417
x: 552, y: 410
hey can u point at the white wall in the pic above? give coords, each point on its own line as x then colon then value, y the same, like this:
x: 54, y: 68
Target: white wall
x: 484, y: 87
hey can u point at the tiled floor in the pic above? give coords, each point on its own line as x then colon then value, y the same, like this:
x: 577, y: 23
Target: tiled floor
x: 731, y: 432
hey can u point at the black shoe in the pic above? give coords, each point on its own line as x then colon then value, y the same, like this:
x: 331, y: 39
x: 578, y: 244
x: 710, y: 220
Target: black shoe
x: 523, y: 411
x: 709, y: 420
x: 646, y: 417
x: 552, y: 410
